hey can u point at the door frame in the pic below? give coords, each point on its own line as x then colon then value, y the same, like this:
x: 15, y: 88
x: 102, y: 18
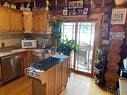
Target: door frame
x: 93, y: 17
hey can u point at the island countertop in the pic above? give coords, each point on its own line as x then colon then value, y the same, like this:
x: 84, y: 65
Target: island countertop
x: 48, y: 63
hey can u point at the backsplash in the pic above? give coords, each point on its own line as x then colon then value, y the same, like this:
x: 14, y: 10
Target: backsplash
x: 41, y: 38
x: 9, y: 40
x: 14, y: 40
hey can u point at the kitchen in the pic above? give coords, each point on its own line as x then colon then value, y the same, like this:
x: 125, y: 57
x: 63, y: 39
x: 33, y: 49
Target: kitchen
x: 28, y: 41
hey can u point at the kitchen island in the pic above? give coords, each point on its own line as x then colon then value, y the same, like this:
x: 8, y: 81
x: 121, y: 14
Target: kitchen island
x: 49, y: 76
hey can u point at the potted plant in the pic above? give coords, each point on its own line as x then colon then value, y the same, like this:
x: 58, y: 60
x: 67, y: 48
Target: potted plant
x: 65, y: 46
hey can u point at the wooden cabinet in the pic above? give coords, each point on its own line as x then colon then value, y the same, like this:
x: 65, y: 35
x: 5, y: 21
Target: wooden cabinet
x: 23, y: 61
x: 50, y: 82
x: 4, y: 20
x: 58, y: 81
x: 26, y: 60
x: 28, y: 22
x: 11, y: 20
x: 65, y: 73
x: 29, y: 57
x: 40, y: 22
x: 16, y: 19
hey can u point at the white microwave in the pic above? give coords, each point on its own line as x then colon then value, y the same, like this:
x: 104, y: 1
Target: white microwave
x: 29, y: 43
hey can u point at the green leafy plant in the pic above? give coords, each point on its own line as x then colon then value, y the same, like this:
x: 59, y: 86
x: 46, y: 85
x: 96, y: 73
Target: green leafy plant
x: 65, y: 46
x: 100, y: 55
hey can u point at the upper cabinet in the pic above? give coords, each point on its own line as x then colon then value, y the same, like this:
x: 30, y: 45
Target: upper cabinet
x: 16, y: 18
x: 28, y: 22
x: 4, y: 20
x: 11, y: 20
x: 40, y: 22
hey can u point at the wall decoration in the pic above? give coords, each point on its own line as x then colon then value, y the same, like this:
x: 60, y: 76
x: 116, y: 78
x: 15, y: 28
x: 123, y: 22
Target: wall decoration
x: 65, y: 11
x: 85, y: 11
x: 75, y: 4
x: 117, y: 35
x: 105, y: 30
x: 105, y: 27
x: 118, y: 16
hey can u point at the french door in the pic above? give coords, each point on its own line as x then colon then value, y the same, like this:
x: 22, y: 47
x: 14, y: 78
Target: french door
x: 83, y: 33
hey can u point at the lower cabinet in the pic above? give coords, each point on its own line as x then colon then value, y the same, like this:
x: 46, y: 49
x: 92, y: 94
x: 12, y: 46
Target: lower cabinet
x: 65, y: 73
x: 50, y: 84
x: 26, y: 60
x: 56, y: 80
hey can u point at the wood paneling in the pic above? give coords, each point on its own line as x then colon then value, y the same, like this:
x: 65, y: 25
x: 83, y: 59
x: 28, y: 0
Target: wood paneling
x: 58, y: 82
x: 16, y: 21
x: 4, y: 20
x: 28, y: 22
x: 40, y: 22
x: 50, y: 85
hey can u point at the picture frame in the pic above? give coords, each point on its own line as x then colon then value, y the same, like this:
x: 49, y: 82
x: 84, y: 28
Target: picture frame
x: 85, y: 11
x: 118, y: 16
x: 65, y: 12
x: 75, y: 4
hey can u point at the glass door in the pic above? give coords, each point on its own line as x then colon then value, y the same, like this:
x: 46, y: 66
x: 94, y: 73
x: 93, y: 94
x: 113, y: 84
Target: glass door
x: 68, y: 31
x: 85, y: 40
x: 83, y: 33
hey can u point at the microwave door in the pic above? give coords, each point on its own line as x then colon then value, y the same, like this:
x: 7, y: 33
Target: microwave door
x: 27, y: 45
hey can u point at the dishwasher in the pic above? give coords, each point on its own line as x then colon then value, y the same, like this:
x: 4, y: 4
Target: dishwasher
x: 10, y: 68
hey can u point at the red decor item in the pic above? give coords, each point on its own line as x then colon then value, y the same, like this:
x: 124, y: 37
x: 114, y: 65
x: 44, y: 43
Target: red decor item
x: 117, y: 28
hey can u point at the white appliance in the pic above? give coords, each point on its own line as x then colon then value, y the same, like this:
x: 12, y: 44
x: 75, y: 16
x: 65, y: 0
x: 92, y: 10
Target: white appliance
x: 29, y: 43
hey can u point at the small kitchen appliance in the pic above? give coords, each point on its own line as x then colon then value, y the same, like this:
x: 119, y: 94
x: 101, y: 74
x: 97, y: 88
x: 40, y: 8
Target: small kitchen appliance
x: 29, y: 43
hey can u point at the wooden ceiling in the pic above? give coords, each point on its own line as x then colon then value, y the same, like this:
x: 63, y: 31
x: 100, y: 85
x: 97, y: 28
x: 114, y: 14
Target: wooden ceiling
x: 19, y: 1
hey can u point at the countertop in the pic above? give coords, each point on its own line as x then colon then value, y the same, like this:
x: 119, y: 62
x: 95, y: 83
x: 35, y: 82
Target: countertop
x: 14, y: 51
x: 123, y: 86
x: 48, y: 63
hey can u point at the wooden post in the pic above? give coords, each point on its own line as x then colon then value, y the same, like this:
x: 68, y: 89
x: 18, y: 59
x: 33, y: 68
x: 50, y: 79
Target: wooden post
x: 117, y: 35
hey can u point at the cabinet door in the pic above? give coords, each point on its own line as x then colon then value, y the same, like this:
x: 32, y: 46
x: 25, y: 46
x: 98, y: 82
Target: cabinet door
x: 50, y: 85
x: 64, y: 73
x: 35, y: 22
x: 58, y: 82
x: 40, y: 22
x: 29, y: 58
x: 27, y: 22
x: 16, y: 21
x: 22, y: 54
x: 4, y: 20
